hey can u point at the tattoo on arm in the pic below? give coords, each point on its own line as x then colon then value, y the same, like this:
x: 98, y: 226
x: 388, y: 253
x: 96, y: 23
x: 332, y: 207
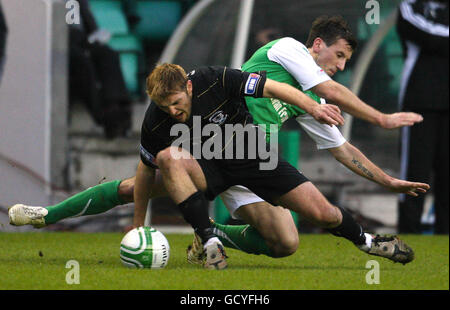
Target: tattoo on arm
x: 360, y: 166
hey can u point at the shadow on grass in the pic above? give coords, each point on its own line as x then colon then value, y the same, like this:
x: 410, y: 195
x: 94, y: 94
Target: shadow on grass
x: 59, y: 261
x: 291, y: 267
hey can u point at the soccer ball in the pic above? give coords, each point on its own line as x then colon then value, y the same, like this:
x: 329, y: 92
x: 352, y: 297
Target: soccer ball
x: 144, y: 247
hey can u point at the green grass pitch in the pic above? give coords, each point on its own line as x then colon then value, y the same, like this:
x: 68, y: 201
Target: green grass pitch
x: 30, y: 261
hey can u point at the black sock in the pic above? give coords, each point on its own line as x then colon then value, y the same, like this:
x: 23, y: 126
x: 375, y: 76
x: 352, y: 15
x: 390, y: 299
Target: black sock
x: 349, y: 229
x: 195, y: 212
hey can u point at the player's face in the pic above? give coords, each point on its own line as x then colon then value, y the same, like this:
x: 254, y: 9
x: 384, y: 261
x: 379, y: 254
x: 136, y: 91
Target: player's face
x: 179, y: 104
x: 334, y: 57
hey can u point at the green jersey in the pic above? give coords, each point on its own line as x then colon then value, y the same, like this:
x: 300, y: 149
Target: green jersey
x: 274, y: 58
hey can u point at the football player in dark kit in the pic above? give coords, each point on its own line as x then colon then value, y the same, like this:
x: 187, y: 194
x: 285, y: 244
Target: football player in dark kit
x: 215, y: 95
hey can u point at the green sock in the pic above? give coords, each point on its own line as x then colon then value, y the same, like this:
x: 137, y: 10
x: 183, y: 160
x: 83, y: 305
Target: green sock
x: 242, y: 237
x: 94, y: 200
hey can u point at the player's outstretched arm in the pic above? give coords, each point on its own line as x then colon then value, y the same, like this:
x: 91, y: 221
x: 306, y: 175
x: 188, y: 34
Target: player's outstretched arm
x: 323, y: 113
x: 350, y: 103
x: 145, y: 177
x: 354, y: 159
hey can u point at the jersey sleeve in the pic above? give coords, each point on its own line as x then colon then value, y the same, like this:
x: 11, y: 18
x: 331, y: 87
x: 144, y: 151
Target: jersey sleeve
x: 295, y: 58
x: 147, y: 158
x: 238, y: 84
x: 325, y: 136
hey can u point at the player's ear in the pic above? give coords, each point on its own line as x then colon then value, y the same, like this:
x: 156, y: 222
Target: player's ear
x: 318, y: 44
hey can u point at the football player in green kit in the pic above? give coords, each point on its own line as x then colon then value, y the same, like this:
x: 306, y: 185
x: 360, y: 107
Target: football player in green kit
x: 271, y: 230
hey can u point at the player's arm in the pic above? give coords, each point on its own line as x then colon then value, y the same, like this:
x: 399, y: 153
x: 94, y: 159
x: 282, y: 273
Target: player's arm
x: 323, y: 113
x: 145, y: 178
x: 295, y: 59
x: 355, y: 160
x: 144, y: 181
x: 238, y: 84
x: 350, y: 103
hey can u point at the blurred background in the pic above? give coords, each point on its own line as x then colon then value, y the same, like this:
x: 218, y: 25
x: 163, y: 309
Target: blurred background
x: 70, y: 115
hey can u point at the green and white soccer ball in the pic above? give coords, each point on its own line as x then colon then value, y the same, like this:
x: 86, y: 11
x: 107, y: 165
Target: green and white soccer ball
x: 144, y: 247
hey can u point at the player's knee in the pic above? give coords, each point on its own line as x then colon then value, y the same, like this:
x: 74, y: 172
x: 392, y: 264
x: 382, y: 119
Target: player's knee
x: 289, y: 245
x: 285, y: 246
x: 165, y: 159
x: 126, y: 189
x: 328, y: 217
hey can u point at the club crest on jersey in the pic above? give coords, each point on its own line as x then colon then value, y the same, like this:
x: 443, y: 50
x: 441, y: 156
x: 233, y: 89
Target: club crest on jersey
x: 218, y: 118
x: 250, y: 85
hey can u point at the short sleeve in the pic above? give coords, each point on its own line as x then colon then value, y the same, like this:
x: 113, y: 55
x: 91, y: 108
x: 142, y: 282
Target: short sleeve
x: 325, y: 136
x: 239, y: 83
x: 295, y: 58
x: 147, y: 158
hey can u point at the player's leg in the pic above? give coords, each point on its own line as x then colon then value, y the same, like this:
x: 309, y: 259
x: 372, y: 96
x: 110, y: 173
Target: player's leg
x: 94, y: 200
x: 185, y: 182
x: 125, y: 190
x: 274, y: 225
x: 307, y: 200
x: 181, y: 176
x: 269, y: 230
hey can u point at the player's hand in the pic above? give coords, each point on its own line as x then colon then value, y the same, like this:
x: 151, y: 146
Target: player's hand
x: 327, y: 114
x: 400, y: 119
x: 408, y: 188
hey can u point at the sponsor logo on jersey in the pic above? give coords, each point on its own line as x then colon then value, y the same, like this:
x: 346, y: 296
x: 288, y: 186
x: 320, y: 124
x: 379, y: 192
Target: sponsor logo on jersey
x: 218, y: 118
x: 281, y: 109
x: 250, y: 85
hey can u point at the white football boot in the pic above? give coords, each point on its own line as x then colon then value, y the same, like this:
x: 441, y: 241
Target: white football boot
x: 390, y: 247
x: 20, y: 215
x: 211, y: 255
x: 215, y: 255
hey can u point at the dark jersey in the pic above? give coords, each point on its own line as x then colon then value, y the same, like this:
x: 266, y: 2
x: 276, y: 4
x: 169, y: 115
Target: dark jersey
x: 423, y: 28
x: 217, y: 98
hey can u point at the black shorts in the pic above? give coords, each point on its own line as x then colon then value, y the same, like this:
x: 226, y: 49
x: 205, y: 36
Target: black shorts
x: 267, y: 184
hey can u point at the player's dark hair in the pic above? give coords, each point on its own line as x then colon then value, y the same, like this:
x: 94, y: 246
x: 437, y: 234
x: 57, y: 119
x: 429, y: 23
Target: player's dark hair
x: 331, y: 29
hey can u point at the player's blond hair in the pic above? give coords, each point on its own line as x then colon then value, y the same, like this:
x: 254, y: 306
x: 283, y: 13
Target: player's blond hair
x: 166, y: 79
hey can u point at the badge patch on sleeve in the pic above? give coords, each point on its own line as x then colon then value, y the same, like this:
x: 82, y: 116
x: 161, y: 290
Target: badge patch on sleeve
x: 148, y: 156
x: 252, y: 82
